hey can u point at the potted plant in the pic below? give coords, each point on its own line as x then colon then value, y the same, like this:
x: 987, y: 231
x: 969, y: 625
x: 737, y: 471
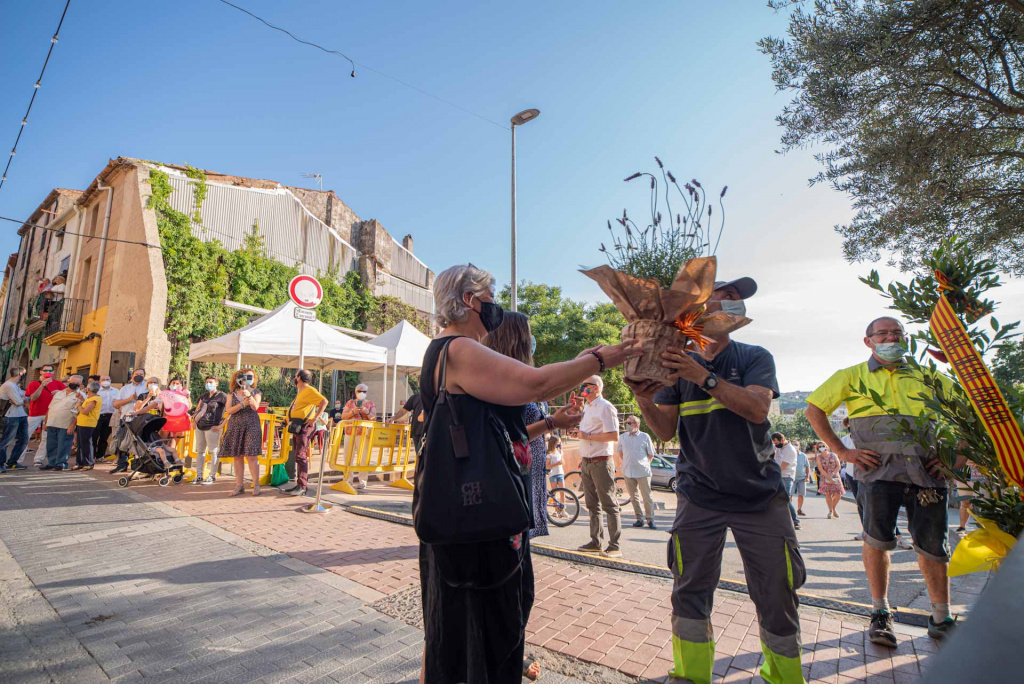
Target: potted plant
x: 660, y: 277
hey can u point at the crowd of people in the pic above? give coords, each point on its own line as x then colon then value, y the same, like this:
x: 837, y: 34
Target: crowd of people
x: 733, y: 474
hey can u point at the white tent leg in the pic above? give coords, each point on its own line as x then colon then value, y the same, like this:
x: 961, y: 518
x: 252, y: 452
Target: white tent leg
x: 238, y: 360
x: 384, y: 390
x: 394, y: 387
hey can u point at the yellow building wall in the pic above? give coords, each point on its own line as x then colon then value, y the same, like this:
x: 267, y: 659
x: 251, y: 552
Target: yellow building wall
x: 87, y: 353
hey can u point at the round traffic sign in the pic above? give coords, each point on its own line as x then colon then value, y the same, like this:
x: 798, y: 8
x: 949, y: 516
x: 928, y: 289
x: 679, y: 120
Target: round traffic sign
x: 305, y: 291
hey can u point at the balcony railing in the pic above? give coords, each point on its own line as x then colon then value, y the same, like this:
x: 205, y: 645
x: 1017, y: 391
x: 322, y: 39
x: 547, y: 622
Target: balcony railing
x: 64, y: 321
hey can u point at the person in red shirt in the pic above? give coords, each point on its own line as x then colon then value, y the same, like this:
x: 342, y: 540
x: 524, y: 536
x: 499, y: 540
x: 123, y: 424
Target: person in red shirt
x: 39, y: 393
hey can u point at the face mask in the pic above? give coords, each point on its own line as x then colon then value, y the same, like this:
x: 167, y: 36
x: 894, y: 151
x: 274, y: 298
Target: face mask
x: 491, y: 315
x: 634, y: 428
x: 175, y: 388
x: 46, y: 375
x: 105, y: 384
x: 533, y: 345
x: 137, y: 379
x: 295, y: 381
x: 890, y: 351
x: 735, y: 307
x: 154, y: 388
x: 210, y: 386
x: 360, y: 395
x: 337, y: 405
x: 73, y: 385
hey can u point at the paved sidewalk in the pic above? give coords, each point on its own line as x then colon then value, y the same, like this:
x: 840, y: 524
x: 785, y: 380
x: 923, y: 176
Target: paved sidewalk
x: 614, y: 619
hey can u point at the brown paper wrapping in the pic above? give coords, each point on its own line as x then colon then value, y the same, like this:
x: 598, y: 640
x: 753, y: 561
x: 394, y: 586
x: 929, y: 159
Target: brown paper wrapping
x: 652, y: 312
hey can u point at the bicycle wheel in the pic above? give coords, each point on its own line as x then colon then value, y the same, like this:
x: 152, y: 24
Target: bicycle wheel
x: 621, y: 493
x: 574, y: 481
x: 563, y: 507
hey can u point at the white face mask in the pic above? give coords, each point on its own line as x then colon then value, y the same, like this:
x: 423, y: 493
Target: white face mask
x: 175, y: 388
x: 210, y: 386
x: 104, y: 384
x: 736, y: 307
x: 360, y: 395
x: 154, y: 388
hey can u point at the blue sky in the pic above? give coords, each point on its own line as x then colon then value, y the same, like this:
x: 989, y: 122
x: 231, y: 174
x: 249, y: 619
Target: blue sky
x: 617, y: 83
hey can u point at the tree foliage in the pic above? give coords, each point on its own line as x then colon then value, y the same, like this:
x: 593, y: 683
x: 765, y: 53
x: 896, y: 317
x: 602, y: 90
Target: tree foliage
x: 1008, y: 366
x: 795, y: 426
x: 920, y: 106
x: 564, y: 327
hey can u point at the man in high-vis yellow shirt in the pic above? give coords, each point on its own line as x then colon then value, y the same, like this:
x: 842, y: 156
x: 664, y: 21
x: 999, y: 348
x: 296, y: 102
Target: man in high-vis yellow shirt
x: 891, y: 470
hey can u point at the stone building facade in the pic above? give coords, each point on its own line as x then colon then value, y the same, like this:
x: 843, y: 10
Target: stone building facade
x: 111, y: 318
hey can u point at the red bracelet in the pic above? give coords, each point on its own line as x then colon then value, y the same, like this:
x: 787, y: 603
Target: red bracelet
x: 600, y: 359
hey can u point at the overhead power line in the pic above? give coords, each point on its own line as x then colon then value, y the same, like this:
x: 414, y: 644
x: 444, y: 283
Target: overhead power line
x: 367, y: 67
x: 68, y: 232
x: 35, y: 91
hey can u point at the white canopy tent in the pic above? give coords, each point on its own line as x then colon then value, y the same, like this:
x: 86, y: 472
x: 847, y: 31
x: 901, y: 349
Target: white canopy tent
x: 273, y: 340
x: 405, y: 347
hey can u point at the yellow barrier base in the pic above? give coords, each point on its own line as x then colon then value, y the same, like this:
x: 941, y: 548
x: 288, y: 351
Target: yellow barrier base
x: 344, y: 487
x: 403, y: 483
x: 265, y: 480
x: 190, y: 475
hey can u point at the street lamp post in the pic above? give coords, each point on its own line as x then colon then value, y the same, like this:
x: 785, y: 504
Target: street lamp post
x: 517, y: 120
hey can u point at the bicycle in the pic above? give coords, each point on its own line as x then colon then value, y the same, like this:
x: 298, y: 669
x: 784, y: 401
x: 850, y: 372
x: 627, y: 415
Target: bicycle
x: 563, y: 510
x: 574, y: 481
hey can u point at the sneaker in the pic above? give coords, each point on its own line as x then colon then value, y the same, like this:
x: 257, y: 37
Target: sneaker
x: 362, y: 485
x: 829, y: 516
x: 650, y: 523
x: 796, y: 524
x: 46, y: 467
x: 590, y: 547
x: 801, y: 513
x: 940, y: 631
x: 297, y: 491
x: 638, y: 523
x: 289, y: 490
x: 902, y: 544
x: 961, y: 530
x: 612, y: 552
x: 18, y: 466
x: 196, y: 482
x: 119, y: 469
x: 858, y: 537
x: 209, y: 481
x: 880, y: 632
x: 836, y: 514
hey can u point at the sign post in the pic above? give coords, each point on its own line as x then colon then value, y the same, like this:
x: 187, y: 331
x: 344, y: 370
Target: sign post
x: 307, y: 294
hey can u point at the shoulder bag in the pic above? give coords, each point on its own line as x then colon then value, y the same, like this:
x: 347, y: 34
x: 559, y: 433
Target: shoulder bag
x: 468, y: 489
x: 295, y: 425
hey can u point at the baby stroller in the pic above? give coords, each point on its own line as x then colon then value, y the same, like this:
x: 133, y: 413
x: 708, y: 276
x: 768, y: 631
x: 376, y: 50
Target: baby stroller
x: 149, y: 455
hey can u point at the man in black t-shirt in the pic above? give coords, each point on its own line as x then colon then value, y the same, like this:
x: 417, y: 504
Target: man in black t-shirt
x: 414, y: 407
x: 726, y: 479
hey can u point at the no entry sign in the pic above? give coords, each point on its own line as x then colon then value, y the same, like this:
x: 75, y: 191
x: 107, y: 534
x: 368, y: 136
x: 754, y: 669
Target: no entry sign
x: 305, y: 291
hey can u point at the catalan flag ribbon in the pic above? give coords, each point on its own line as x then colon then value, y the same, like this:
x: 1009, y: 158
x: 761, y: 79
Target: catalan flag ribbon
x: 988, y: 401
x: 693, y: 331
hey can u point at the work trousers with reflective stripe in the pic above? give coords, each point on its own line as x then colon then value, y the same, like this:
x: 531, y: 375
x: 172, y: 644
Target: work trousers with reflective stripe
x: 774, y: 570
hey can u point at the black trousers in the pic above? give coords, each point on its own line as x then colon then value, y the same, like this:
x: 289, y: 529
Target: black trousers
x: 101, y: 436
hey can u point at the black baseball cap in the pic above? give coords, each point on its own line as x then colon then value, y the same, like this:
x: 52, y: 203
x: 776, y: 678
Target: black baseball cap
x: 745, y: 286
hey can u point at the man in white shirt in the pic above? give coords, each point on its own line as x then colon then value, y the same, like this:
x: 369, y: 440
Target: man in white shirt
x: 785, y: 456
x: 15, y: 421
x: 129, y: 393
x: 598, y: 431
x: 101, y: 436
x: 636, y: 448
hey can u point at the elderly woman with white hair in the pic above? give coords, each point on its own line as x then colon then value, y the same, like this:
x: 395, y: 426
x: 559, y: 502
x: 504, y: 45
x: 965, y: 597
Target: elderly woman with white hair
x: 357, y: 408
x: 477, y: 595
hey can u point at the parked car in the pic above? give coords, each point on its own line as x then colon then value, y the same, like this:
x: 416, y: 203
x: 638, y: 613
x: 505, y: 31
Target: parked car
x: 663, y: 471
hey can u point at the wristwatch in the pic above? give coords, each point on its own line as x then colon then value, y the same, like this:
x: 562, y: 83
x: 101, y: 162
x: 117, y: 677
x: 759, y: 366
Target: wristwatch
x: 710, y: 383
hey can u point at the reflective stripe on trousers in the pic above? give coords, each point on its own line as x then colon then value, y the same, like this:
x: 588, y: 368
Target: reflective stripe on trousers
x: 774, y: 569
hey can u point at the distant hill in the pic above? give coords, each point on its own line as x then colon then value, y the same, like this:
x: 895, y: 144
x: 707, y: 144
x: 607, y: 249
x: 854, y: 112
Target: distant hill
x: 793, y: 400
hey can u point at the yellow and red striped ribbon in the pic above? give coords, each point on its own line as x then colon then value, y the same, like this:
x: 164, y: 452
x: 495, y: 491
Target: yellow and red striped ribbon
x: 986, y: 398
x: 693, y: 331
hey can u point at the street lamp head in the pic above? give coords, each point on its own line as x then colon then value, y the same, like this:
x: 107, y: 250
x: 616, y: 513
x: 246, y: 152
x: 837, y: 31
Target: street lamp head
x: 524, y: 116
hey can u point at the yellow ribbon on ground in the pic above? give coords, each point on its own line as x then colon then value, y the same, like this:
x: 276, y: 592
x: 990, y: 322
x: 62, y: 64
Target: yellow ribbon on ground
x: 988, y: 401
x: 981, y: 550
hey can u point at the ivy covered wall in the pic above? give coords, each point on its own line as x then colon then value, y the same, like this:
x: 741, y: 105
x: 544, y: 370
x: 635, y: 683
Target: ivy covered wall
x: 200, y: 275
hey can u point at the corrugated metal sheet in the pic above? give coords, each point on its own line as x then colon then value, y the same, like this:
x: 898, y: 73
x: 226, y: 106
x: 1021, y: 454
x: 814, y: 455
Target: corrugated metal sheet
x: 419, y: 297
x: 291, y: 234
x: 406, y: 266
